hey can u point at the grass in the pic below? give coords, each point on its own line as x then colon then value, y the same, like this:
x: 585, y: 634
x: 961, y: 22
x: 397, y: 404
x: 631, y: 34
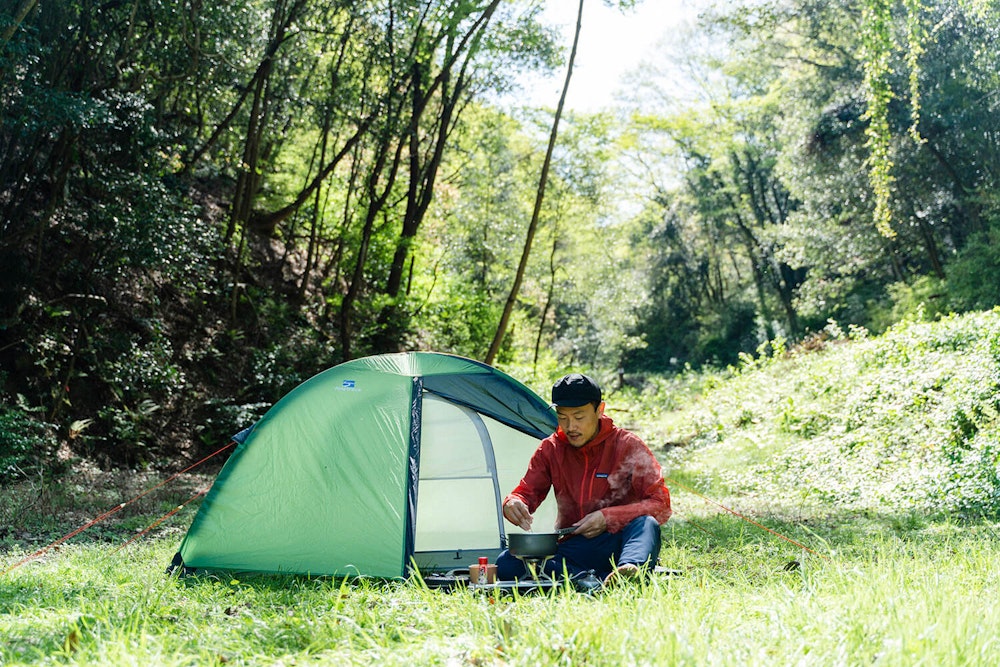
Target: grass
x: 875, y: 453
x: 884, y: 593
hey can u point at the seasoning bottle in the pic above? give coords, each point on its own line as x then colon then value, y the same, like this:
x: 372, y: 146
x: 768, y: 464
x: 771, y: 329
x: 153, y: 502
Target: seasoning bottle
x: 483, y: 567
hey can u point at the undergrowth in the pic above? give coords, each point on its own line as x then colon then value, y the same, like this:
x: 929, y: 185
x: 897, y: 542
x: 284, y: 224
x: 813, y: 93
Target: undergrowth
x: 905, y: 422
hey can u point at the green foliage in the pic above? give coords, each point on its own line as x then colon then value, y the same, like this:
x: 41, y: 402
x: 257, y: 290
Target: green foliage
x: 141, y: 378
x: 141, y: 150
x: 968, y: 285
x: 292, y: 355
x: 723, y: 336
x: 903, y: 422
x: 645, y: 403
x: 462, y: 323
x: 202, y: 206
x: 137, y: 223
x: 810, y: 103
x: 878, y: 44
x: 926, y: 298
x: 27, y: 445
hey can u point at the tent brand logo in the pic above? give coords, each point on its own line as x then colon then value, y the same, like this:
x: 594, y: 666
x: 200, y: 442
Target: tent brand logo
x: 347, y: 385
x: 601, y: 475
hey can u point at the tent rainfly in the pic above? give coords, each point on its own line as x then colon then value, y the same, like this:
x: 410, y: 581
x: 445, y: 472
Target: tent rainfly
x: 374, y: 467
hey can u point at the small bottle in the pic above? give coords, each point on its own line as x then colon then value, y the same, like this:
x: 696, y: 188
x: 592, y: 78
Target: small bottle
x: 483, y: 567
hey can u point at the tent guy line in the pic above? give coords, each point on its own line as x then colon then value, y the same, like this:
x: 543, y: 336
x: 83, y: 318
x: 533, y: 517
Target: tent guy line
x: 117, y: 508
x: 163, y: 518
x: 741, y: 516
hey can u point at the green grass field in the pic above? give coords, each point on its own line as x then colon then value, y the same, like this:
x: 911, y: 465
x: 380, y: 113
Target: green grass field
x: 878, y: 454
x: 884, y: 593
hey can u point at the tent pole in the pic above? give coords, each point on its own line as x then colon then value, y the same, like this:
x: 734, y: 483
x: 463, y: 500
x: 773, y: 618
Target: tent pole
x: 491, y: 466
x: 413, y: 477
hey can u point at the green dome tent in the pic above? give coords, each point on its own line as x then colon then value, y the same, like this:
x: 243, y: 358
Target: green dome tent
x: 371, y: 467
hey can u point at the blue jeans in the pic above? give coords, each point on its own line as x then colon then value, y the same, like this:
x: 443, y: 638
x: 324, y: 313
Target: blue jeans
x: 637, y: 543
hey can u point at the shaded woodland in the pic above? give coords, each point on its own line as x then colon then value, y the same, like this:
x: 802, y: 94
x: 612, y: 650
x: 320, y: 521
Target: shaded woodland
x: 202, y: 205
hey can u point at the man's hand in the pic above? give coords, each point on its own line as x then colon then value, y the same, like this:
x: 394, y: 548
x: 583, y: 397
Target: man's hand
x: 515, y: 511
x: 591, y: 525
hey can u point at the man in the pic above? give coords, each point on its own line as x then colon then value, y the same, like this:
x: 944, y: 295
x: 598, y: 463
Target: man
x: 607, y: 484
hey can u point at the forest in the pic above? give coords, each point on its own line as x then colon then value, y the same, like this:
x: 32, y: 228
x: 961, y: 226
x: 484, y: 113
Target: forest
x: 202, y: 205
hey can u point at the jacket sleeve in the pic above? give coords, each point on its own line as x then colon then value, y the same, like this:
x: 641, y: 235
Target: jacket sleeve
x: 648, y: 489
x: 537, y: 481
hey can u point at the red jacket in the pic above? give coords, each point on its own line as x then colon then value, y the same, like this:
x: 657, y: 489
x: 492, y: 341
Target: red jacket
x: 615, y: 473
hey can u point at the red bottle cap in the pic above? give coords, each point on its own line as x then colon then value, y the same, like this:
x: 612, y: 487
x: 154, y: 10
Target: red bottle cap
x: 483, y: 560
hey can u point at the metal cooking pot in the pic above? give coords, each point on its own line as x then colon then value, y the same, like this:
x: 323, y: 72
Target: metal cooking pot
x: 535, y: 545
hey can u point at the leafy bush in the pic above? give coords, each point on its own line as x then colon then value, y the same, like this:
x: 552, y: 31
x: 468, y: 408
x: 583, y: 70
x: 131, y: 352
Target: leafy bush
x: 925, y: 298
x: 26, y: 444
x: 969, y: 282
x: 904, y: 422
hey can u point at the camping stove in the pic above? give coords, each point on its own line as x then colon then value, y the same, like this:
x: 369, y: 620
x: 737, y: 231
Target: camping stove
x: 533, y: 564
x: 535, y: 549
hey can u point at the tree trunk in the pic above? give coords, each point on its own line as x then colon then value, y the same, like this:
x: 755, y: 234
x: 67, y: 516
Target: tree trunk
x: 548, y: 301
x: 18, y: 19
x: 930, y: 244
x: 314, y: 221
x: 539, y: 197
x: 423, y: 172
x: 376, y: 202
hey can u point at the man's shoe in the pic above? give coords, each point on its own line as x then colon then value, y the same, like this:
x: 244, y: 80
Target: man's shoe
x: 622, y: 573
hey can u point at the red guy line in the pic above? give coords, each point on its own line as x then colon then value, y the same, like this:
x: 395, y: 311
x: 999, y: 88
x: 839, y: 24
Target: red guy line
x: 163, y: 518
x: 745, y: 518
x: 44, y: 550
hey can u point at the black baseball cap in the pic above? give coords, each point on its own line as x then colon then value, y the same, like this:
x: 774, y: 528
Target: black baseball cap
x: 575, y: 390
